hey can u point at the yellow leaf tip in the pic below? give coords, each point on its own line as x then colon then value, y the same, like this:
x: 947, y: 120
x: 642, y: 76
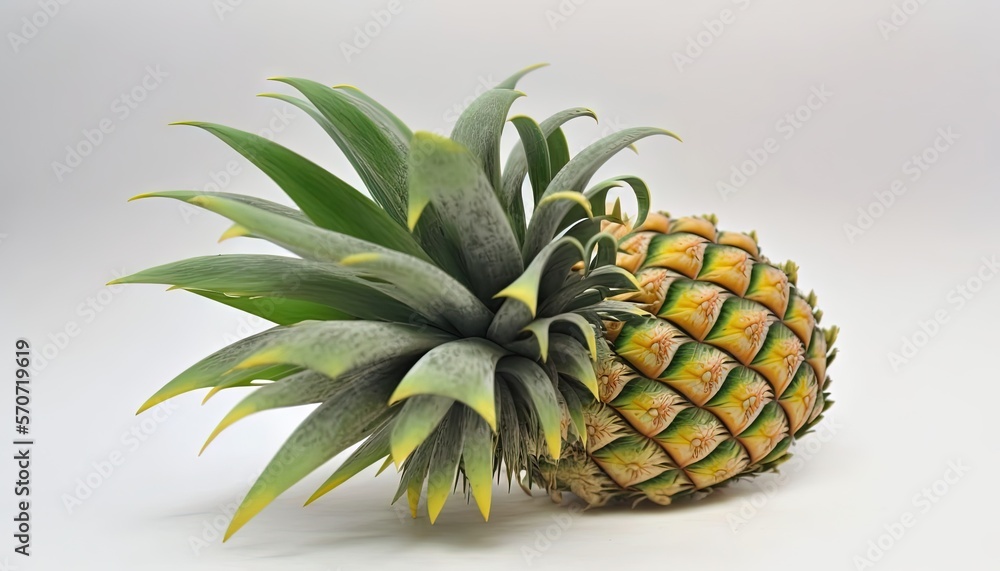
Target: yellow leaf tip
x: 234, y: 231
x: 150, y: 403
x: 318, y: 494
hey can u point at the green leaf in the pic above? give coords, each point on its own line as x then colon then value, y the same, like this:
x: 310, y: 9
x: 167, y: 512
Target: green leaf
x: 428, y: 233
x: 584, y: 230
x: 279, y: 310
x: 477, y: 460
x: 271, y: 285
x: 536, y: 152
x: 378, y: 112
x: 210, y: 370
x: 511, y: 82
x: 376, y: 153
x: 575, y: 407
x: 517, y: 168
x: 463, y: 370
x: 246, y: 377
x: 328, y: 201
x: 329, y: 430
x: 598, y: 196
x: 479, y: 128
x: 302, y: 388
x: 546, y: 272
x: 512, y: 317
x: 610, y: 310
x: 511, y: 444
x: 417, y: 419
x: 602, y: 250
x: 538, y: 387
x: 429, y: 291
x: 373, y: 449
x: 558, y: 155
x: 619, y: 310
x: 588, y: 299
x: 443, y: 468
x: 552, y: 264
x: 574, y: 177
x: 611, y: 279
x: 540, y: 329
x: 330, y: 129
x: 572, y: 360
x: 442, y: 172
x: 414, y: 473
x: 417, y: 284
x: 259, y: 203
x: 337, y: 347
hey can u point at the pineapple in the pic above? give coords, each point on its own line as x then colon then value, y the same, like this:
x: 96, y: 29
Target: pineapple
x: 723, y: 370
x: 448, y: 334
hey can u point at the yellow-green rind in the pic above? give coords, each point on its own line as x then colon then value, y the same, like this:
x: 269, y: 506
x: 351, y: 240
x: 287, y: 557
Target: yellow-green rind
x: 724, y: 371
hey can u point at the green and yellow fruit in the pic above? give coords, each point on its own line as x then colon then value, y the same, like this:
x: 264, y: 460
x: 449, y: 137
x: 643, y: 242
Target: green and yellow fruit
x: 453, y: 336
x: 726, y: 368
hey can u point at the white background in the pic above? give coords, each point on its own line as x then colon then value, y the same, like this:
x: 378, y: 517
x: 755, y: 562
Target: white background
x: 893, y: 432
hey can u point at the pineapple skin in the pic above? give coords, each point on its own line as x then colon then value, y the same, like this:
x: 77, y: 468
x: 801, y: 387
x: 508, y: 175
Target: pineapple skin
x: 724, y: 371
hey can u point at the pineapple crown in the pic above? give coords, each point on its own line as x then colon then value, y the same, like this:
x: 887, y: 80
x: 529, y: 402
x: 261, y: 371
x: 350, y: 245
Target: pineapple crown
x: 432, y: 322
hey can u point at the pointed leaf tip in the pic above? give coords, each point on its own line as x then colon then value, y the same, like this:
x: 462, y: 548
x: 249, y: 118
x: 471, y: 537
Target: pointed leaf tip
x: 234, y: 231
x: 511, y: 82
x: 150, y: 403
x: 573, y: 196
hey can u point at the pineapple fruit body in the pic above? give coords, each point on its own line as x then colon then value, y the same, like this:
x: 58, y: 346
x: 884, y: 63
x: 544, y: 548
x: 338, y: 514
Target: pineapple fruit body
x: 723, y: 371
